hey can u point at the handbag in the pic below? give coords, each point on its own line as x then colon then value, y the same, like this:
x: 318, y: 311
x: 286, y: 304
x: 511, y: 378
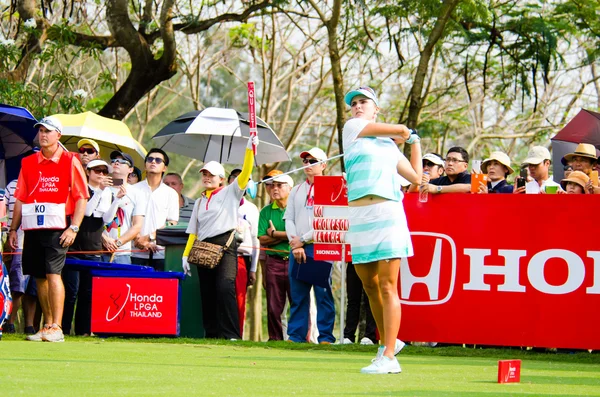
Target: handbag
x: 208, y: 255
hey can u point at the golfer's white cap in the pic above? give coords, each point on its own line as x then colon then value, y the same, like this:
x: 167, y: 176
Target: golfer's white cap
x: 214, y: 168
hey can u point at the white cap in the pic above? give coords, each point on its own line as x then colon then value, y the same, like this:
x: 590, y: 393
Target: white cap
x: 435, y: 159
x: 536, y: 155
x: 98, y: 163
x: 51, y: 123
x: 215, y: 168
x: 316, y: 153
x: 284, y: 179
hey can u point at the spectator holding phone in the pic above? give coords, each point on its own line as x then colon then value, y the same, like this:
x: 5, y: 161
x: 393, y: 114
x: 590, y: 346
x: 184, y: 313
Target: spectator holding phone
x: 78, y: 284
x: 538, y: 163
x: 497, y: 167
x: 125, y: 217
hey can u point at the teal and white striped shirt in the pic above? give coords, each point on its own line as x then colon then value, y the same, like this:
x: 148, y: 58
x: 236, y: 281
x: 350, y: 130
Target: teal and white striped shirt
x: 371, y: 164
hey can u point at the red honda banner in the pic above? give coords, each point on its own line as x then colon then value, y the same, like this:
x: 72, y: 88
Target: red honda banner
x: 501, y: 269
x: 139, y: 306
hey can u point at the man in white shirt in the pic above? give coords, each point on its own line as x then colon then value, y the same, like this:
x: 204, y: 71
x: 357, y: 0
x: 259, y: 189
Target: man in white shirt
x: 125, y: 217
x: 538, y: 161
x: 162, y: 210
x: 305, y: 273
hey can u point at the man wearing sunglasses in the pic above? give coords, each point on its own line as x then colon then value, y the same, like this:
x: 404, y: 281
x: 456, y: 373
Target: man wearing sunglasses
x: 125, y: 217
x: 433, y: 167
x: 457, y: 179
x: 162, y: 210
x: 304, y: 272
x: 88, y: 151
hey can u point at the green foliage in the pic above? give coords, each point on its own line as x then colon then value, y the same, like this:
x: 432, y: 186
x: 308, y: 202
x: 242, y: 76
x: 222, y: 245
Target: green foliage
x: 244, y: 35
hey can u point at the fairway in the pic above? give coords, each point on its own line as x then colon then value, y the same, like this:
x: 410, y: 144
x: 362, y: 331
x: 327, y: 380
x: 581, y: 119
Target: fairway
x: 90, y: 367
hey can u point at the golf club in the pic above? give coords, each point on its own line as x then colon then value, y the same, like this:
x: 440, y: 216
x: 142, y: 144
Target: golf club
x: 252, y: 187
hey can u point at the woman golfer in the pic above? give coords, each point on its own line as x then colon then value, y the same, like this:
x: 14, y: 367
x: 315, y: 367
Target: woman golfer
x: 378, y: 230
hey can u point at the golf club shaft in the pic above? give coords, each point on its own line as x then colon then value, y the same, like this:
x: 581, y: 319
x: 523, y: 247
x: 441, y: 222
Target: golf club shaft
x: 301, y: 168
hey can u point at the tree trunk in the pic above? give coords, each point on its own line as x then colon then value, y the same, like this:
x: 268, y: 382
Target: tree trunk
x: 416, y: 92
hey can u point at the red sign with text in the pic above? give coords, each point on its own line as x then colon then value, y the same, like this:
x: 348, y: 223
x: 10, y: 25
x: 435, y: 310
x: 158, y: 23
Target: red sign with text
x: 135, y: 306
x: 501, y: 269
x: 331, y: 218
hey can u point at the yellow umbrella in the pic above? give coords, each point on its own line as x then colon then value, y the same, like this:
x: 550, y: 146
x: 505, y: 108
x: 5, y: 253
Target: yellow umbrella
x: 108, y: 133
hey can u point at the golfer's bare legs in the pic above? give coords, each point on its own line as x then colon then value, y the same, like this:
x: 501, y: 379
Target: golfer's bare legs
x: 367, y: 272
x: 380, y: 281
x: 388, y: 285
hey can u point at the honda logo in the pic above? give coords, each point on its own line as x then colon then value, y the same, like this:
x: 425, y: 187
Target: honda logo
x: 428, y: 278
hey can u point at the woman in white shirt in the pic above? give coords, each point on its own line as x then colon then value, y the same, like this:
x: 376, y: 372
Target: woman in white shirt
x: 214, y: 219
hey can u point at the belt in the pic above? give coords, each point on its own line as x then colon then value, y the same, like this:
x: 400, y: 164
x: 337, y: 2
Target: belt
x: 285, y: 258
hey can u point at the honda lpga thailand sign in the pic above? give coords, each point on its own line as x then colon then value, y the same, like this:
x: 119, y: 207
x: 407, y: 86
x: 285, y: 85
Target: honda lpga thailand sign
x: 140, y: 306
x: 514, y: 270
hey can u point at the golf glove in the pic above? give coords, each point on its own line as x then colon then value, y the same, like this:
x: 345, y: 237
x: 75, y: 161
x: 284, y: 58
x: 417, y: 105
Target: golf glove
x: 413, y: 138
x: 186, y: 266
x: 253, y: 141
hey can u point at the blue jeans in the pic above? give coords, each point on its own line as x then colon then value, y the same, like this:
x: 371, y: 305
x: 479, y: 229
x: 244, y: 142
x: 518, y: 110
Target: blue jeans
x: 300, y: 304
x: 122, y: 259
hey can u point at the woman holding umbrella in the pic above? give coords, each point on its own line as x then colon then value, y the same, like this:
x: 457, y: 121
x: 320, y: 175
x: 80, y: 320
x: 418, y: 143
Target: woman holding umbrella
x: 214, y: 220
x: 378, y: 230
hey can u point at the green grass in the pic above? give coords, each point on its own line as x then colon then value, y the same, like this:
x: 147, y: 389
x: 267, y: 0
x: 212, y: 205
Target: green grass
x: 157, y: 367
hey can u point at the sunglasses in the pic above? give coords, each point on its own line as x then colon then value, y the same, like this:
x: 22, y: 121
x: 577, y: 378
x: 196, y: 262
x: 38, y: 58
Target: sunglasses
x: 310, y: 161
x: 83, y: 150
x: 102, y: 171
x: 120, y: 161
x: 156, y: 160
x: 133, y: 174
x: 428, y: 164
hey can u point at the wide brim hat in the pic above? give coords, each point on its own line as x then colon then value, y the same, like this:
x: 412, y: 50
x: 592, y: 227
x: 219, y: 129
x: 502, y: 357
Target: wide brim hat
x: 583, y: 150
x: 577, y: 177
x: 500, y: 157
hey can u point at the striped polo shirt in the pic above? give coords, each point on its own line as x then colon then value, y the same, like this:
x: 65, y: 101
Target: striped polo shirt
x: 371, y: 164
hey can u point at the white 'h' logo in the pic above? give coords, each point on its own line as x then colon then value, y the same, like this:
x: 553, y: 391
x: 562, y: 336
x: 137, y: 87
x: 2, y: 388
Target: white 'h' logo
x: 432, y: 279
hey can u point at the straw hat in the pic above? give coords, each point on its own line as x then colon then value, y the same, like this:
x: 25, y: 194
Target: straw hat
x: 583, y: 150
x: 577, y: 177
x: 500, y: 157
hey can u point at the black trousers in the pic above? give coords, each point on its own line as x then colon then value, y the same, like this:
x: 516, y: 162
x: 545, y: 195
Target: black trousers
x: 356, y: 293
x: 78, y: 288
x: 217, y: 288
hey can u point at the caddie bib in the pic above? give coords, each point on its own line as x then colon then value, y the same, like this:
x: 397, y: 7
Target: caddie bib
x: 49, y: 185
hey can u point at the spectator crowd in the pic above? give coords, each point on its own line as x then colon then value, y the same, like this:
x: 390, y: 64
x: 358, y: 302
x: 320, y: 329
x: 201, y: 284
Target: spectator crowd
x: 114, y: 210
